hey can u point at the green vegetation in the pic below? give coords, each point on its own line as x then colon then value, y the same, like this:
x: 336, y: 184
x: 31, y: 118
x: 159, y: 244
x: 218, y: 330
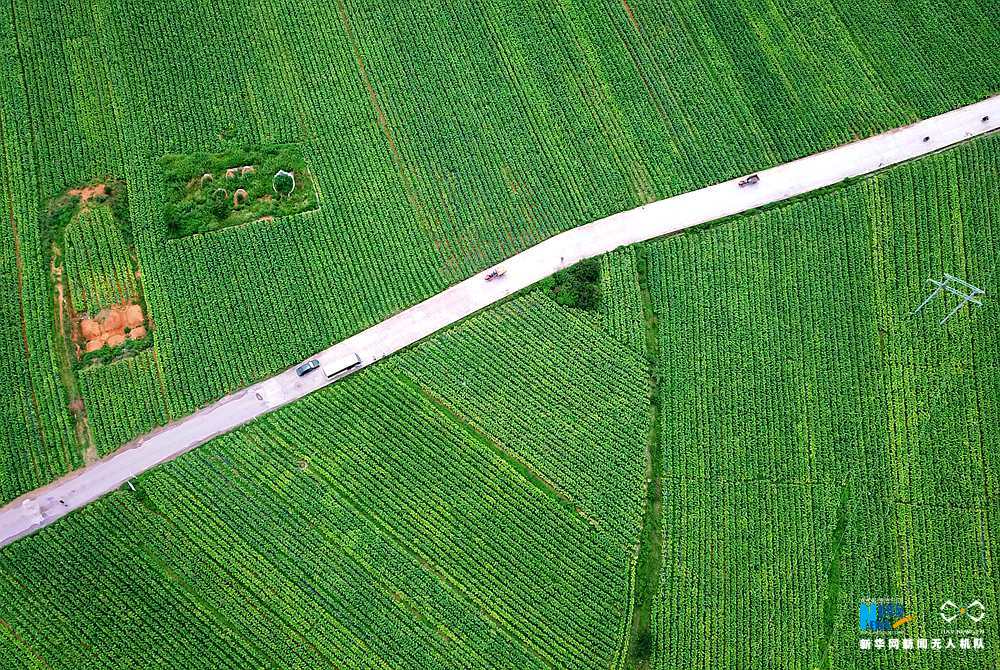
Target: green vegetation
x: 553, y: 392
x: 578, y: 287
x: 474, y: 501
x: 98, y: 262
x: 649, y: 557
x: 106, y: 193
x: 621, y: 299
x: 362, y: 525
x: 438, y: 155
x: 124, y: 399
x: 796, y: 369
x: 205, y: 192
x: 480, y: 500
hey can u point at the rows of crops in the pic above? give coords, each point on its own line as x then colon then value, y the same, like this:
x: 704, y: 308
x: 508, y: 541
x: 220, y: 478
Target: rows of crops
x: 808, y: 421
x: 791, y: 360
x: 98, y: 262
x: 572, y: 407
x: 358, y: 527
x: 124, y: 399
x: 621, y: 303
x: 438, y: 144
x: 743, y: 574
x: 25, y: 462
x: 35, y: 431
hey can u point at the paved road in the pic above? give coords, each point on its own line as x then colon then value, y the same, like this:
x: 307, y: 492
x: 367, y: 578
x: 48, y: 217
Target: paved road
x: 43, y: 506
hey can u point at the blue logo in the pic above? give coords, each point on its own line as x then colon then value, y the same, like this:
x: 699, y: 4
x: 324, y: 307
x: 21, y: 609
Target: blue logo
x: 880, y: 616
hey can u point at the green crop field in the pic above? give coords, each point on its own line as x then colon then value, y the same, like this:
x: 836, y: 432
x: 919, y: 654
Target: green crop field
x: 440, y: 139
x: 818, y: 445
x: 797, y: 391
x: 699, y: 452
x: 382, y: 521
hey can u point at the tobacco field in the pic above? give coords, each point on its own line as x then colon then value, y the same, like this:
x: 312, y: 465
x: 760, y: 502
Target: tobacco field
x: 746, y: 435
x: 801, y: 392
x: 436, y: 143
x: 366, y: 524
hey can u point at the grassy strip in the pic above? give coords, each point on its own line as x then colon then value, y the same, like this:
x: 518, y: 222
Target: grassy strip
x: 833, y: 577
x: 74, y: 400
x: 650, y: 557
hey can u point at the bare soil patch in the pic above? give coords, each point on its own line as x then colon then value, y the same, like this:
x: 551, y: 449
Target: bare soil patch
x: 110, y: 327
x: 85, y: 193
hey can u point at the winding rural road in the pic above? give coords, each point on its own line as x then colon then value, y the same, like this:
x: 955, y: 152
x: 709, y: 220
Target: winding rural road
x: 41, y: 507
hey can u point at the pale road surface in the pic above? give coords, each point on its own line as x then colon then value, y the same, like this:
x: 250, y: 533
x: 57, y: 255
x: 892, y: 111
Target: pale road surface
x: 43, y: 506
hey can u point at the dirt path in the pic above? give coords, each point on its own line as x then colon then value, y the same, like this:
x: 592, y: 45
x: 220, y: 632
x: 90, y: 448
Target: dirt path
x: 43, y: 506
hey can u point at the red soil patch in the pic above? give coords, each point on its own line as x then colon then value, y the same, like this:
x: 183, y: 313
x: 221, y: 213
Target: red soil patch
x: 85, y: 193
x: 133, y: 316
x: 90, y: 329
x: 111, y: 320
x: 108, y: 327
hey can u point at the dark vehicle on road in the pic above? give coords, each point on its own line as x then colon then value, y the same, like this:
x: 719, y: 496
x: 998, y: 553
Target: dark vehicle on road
x: 307, y: 367
x: 749, y: 181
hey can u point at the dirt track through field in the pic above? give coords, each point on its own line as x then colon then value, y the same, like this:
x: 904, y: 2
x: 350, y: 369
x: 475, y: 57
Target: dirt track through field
x: 41, y: 507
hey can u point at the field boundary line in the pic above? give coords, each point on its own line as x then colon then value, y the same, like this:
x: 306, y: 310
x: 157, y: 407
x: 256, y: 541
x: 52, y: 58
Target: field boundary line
x: 517, y: 463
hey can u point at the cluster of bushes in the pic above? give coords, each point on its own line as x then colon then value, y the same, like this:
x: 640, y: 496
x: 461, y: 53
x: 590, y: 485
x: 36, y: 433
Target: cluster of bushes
x: 106, y: 354
x: 205, y: 192
x: 578, y: 287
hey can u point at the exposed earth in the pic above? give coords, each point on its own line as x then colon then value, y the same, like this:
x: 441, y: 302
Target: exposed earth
x: 112, y: 326
x: 86, y: 193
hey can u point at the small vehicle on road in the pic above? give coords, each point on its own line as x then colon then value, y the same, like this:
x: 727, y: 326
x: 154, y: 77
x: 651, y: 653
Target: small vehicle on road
x: 749, y: 181
x: 496, y: 273
x: 341, y: 365
x: 307, y: 367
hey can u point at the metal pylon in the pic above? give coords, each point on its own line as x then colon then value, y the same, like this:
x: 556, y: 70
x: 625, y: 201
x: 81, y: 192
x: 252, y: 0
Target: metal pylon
x: 968, y: 295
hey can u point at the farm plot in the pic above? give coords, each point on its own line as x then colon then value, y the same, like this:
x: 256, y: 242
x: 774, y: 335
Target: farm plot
x: 99, y: 301
x: 205, y: 192
x: 31, y: 444
x: 550, y: 391
x: 744, y: 571
x: 439, y: 144
x: 621, y: 299
x: 123, y: 399
x: 98, y: 262
x: 360, y: 526
x: 790, y: 358
x: 36, y: 433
